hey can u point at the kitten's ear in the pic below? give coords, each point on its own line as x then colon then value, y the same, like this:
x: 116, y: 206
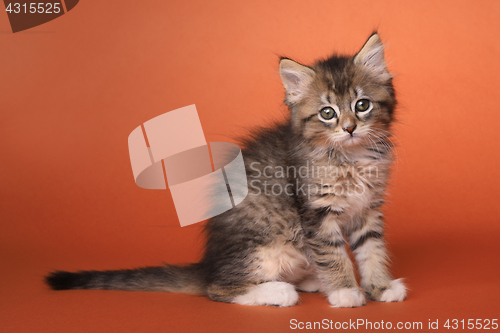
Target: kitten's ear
x: 371, y: 55
x: 296, y: 78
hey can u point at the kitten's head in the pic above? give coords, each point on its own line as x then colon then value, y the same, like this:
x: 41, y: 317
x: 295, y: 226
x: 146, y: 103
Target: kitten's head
x: 341, y: 101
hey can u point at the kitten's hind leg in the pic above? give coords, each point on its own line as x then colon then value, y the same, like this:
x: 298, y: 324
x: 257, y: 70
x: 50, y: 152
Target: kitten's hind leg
x: 268, y: 293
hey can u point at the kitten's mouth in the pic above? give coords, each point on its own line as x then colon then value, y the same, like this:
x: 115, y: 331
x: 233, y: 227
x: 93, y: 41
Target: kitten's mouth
x: 346, y: 140
x: 351, y: 140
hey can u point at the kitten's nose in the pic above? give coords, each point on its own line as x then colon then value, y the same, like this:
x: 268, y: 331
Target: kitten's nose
x: 349, y: 128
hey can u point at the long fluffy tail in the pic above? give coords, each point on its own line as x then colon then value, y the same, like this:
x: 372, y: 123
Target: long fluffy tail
x: 168, y: 278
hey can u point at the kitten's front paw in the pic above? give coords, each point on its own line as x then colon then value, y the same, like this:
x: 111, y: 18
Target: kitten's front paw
x: 347, y: 298
x: 396, y: 292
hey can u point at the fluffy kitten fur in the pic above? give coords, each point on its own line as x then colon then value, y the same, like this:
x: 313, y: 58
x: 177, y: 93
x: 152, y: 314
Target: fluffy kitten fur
x: 316, y: 182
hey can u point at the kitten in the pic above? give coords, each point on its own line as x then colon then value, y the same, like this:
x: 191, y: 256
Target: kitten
x: 316, y: 182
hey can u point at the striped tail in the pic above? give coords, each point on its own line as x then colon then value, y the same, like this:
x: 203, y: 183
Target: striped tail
x: 168, y: 278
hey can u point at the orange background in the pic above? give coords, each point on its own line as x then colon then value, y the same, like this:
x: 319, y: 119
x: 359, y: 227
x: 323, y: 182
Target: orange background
x: 73, y: 89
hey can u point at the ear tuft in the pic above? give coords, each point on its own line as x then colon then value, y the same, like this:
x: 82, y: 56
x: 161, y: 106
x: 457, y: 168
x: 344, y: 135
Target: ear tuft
x: 371, y: 56
x: 296, y: 79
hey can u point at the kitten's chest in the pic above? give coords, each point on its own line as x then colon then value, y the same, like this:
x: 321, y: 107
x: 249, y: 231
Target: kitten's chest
x: 348, y: 187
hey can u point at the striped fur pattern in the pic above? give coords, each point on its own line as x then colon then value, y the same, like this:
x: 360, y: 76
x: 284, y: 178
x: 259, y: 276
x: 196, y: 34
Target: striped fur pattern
x: 316, y: 187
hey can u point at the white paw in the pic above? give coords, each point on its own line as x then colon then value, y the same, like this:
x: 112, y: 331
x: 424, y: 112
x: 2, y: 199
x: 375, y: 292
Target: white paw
x: 309, y: 285
x: 269, y: 293
x: 347, y: 298
x: 395, y: 293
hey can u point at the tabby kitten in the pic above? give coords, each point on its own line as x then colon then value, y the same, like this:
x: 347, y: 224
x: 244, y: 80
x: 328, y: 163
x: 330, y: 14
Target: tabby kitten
x: 316, y: 182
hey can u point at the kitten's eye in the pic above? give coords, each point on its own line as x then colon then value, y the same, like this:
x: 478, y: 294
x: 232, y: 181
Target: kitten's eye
x: 328, y: 113
x: 362, y: 105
